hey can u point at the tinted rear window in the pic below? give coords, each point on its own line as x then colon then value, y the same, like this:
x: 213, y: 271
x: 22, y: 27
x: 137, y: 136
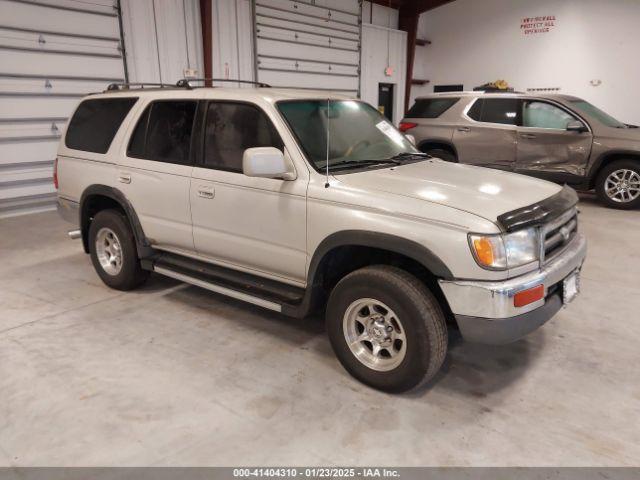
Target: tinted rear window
x: 164, y: 131
x: 495, y: 110
x: 96, y: 122
x: 430, y: 107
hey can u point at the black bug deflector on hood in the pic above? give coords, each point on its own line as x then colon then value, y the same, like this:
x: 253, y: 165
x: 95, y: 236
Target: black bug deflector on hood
x: 540, y: 212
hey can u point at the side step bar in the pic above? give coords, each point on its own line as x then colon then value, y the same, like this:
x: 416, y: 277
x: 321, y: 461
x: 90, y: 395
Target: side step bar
x: 219, y: 289
x: 266, y: 293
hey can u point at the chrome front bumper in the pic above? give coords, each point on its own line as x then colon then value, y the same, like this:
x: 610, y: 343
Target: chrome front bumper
x: 485, y: 310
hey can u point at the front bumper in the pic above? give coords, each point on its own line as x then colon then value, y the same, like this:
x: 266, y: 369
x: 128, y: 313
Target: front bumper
x: 485, y: 311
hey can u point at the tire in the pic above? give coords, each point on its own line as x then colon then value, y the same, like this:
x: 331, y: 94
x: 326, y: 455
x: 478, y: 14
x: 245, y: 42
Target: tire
x: 622, y: 173
x: 414, y: 315
x: 112, y: 247
x: 442, y: 154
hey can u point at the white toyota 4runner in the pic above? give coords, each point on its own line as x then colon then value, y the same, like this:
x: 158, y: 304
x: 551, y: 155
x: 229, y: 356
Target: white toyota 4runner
x: 299, y: 203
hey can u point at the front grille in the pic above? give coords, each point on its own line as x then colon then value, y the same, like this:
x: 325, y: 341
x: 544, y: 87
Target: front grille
x: 558, y: 234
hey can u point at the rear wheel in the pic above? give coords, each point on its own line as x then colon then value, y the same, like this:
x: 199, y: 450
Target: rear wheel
x: 386, y: 328
x: 442, y: 154
x: 113, y: 251
x: 618, y: 184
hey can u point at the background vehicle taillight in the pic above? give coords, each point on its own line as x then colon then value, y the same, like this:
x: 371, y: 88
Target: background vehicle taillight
x: 404, y: 126
x: 55, y: 173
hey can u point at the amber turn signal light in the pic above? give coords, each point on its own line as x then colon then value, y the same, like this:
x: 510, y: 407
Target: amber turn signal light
x: 484, y: 250
x: 528, y: 296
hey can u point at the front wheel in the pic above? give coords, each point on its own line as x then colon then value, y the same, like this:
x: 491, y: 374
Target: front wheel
x: 618, y: 185
x: 386, y: 328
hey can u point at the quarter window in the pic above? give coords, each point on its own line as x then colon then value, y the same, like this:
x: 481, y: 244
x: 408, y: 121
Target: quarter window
x: 430, y: 107
x: 230, y: 129
x: 164, y: 131
x: 544, y: 115
x: 495, y: 110
x: 96, y: 122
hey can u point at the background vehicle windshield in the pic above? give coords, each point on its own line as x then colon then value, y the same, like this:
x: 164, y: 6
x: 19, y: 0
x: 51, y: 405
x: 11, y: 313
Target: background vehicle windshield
x: 598, y: 114
x: 357, y: 132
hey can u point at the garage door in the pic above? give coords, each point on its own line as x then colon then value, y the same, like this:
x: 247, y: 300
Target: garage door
x: 52, y: 52
x: 310, y: 45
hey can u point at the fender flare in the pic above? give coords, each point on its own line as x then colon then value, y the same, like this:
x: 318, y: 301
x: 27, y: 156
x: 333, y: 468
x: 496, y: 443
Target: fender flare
x: 363, y: 238
x: 383, y: 241
x: 142, y: 243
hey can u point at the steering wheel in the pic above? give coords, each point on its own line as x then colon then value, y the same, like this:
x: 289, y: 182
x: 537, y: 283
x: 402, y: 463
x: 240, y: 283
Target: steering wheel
x: 357, y: 146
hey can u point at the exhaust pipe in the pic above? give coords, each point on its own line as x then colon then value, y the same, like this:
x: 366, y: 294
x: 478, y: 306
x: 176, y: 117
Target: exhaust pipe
x: 74, y: 234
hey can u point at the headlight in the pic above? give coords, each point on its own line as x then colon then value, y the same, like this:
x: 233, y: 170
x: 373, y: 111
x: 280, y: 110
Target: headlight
x: 502, y: 251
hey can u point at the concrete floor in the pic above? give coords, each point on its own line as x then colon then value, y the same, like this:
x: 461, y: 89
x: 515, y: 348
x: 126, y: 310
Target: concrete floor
x: 174, y: 375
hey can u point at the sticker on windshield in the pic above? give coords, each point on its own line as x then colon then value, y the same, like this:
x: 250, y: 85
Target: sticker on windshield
x: 386, y: 128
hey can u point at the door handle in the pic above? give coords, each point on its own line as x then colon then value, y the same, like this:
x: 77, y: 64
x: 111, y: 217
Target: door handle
x: 463, y: 129
x: 206, y: 192
x: 124, y: 178
x: 527, y: 135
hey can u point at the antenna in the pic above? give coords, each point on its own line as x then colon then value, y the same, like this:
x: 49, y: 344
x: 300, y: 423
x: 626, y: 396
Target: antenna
x: 326, y: 185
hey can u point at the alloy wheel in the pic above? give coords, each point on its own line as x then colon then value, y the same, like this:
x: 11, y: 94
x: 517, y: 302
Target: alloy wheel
x: 623, y: 185
x: 374, y: 334
x: 109, y: 251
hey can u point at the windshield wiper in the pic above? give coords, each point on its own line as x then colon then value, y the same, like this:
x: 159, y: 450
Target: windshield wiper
x: 364, y: 163
x: 410, y: 155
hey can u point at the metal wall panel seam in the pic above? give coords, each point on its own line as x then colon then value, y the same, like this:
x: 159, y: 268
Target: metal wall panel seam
x: 62, y: 7
x: 61, y: 52
x: 308, y: 43
x: 50, y: 32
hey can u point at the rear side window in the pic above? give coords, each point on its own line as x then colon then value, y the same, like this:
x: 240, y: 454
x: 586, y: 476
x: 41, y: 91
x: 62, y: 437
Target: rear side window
x: 230, y: 129
x: 163, y: 132
x: 430, y: 107
x: 495, y: 110
x: 96, y: 122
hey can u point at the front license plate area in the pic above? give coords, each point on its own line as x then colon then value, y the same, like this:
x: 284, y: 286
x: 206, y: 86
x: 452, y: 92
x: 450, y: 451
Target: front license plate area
x: 570, y: 287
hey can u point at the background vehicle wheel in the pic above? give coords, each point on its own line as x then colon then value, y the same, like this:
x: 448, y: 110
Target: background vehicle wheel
x: 442, y: 154
x: 618, y: 185
x: 386, y: 328
x: 113, y: 251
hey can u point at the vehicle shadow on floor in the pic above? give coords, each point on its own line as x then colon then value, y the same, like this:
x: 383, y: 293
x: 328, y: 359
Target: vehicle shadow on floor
x: 478, y: 371
x: 471, y: 370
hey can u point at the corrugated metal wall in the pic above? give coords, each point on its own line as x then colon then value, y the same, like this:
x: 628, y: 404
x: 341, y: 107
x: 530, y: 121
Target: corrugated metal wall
x: 51, y: 54
x: 163, y: 38
x: 309, y: 44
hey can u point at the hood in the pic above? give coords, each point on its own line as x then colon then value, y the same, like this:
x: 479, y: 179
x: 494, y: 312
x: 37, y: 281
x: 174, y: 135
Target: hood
x: 484, y: 192
x: 630, y: 134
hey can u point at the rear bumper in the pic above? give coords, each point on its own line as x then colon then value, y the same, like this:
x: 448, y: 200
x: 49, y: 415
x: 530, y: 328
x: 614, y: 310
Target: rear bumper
x: 485, y: 311
x: 69, y: 211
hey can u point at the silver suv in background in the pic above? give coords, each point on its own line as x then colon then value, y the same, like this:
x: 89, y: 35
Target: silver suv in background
x: 560, y: 138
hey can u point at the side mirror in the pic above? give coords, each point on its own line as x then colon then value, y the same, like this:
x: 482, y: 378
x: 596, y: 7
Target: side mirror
x: 576, y: 126
x: 411, y: 139
x: 267, y: 162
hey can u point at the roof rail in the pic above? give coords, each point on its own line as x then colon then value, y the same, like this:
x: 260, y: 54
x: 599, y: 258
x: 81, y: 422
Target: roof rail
x: 127, y: 86
x: 185, y: 82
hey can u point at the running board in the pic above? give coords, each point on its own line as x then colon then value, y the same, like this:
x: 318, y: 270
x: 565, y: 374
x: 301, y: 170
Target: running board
x: 219, y: 289
x: 264, y: 292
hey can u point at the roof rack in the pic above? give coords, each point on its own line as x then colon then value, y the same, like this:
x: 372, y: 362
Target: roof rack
x: 185, y: 82
x: 127, y: 86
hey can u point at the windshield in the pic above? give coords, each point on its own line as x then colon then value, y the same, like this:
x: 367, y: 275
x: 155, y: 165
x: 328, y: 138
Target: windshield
x: 359, y: 135
x: 598, y: 114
